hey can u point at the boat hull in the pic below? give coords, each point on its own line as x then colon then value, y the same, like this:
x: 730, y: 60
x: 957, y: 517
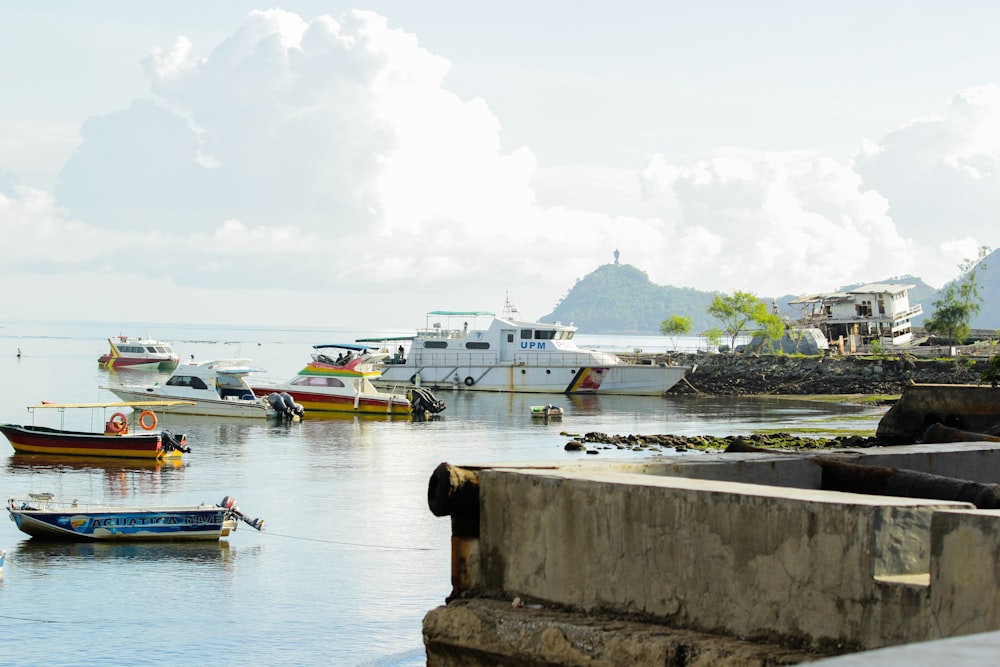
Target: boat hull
x: 312, y: 401
x: 121, y: 363
x: 189, y: 523
x: 199, y: 406
x: 620, y: 379
x: 44, y: 440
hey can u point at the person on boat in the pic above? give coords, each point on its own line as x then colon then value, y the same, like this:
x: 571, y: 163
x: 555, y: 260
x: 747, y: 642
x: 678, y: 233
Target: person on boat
x: 340, y: 359
x: 402, y: 358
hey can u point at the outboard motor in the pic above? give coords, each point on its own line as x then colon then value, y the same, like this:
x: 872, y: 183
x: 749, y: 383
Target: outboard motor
x: 424, y: 402
x: 275, y: 402
x: 229, y: 503
x: 285, y: 406
x: 170, y: 442
x: 291, y: 406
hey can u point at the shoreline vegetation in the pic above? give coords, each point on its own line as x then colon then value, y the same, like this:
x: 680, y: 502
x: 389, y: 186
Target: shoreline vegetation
x: 854, y: 379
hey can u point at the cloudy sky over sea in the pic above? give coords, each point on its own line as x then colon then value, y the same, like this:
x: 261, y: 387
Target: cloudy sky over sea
x: 356, y: 165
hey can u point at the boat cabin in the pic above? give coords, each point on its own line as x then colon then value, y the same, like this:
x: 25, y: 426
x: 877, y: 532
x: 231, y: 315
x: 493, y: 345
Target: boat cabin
x: 876, y: 312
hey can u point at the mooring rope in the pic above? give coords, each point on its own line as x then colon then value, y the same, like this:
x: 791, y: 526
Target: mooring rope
x: 350, y: 544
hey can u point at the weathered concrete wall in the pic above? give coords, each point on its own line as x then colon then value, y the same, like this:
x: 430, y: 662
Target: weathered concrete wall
x: 690, y: 546
x: 965, y: 595
x: 969, y: 407
x: 734, y: 559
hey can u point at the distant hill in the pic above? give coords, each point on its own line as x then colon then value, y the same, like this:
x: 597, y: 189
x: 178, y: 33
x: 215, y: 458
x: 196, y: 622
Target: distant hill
x: 988, y: 277
x: 619, y: 298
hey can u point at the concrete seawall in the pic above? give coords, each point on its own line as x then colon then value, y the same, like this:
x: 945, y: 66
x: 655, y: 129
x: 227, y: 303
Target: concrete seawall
x: 728, y: 559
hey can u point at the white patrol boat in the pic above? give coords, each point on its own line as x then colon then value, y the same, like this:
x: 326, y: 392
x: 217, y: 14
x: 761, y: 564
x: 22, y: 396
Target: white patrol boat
x: 511, y: 355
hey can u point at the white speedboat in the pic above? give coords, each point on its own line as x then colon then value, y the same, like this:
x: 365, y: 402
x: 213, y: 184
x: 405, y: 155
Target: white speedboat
x: 344, y: 384
x: 216, y: 388
x: 139, y: 353
x: 510, y: 355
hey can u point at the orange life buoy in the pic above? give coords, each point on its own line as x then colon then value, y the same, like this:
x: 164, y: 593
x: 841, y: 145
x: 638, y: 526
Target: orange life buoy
x: 118, y: 423
x: 142, y: 420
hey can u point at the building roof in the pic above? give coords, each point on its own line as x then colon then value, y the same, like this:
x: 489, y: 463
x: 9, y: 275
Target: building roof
x: 871, y: 288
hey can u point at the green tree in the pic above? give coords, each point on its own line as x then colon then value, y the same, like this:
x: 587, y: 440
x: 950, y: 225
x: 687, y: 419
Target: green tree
x: 674, y: 326
x: 713, y: 337
x: 772, y: 327
x: 958, y: 301
x: 992, y: 372
x: 739, y: 311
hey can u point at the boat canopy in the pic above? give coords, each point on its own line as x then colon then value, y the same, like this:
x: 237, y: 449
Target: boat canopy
x: 119, y: 404
x: 344, y: 346
x: 463, y: 313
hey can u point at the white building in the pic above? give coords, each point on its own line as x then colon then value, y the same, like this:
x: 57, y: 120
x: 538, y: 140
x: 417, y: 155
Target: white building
x: 876, y: 312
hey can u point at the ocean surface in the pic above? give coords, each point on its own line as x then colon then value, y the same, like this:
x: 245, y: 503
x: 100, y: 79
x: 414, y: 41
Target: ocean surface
x: 350, y: 559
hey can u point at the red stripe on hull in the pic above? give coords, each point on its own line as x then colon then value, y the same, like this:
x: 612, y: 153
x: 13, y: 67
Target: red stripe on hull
x: 29, y: 441
x: 326, y: 403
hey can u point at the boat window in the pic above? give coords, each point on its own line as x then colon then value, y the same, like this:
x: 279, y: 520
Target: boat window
x: 526, y: 334
x: 477, y: 346
x: 150, y: 348
x: 545, y: 334
x: 435, y: 343
x: 317, y: 381
x: 198, y: 383
x: 179, y: 381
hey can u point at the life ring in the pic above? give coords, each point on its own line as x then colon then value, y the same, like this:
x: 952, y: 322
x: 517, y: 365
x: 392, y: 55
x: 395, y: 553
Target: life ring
x: 142, y: 420
x: 469, y: 381
x: 118, y: 423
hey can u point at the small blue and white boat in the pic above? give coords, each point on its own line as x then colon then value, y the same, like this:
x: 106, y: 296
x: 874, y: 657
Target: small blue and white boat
x: 40, y: 516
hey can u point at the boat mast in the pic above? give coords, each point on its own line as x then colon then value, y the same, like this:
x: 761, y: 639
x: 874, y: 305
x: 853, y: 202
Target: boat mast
x: 510, y: 311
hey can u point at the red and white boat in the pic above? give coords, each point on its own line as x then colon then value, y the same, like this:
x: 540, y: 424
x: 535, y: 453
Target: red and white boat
x: 118, y: 439
x: 140, y: 353
x: 344, y: 384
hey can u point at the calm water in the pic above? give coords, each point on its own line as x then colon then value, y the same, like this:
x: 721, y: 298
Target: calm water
x: 351, y: 558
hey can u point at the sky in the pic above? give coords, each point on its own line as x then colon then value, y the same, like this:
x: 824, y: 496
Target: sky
x: 346, y: 165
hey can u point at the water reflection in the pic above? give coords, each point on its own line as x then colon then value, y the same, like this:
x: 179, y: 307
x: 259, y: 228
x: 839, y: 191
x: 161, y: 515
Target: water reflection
x: 122, y: 478
x: 41, y: 553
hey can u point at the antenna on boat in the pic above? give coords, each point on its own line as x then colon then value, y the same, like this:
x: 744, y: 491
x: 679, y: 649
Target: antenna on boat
x: 510, y: 311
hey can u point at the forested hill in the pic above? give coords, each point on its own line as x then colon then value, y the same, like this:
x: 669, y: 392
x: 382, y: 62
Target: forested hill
x: 619, y: 298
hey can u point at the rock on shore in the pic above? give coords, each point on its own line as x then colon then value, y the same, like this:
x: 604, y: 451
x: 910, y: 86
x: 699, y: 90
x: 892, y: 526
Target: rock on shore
x: 739, y: 375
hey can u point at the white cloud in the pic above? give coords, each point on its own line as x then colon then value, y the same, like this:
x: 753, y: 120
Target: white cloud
x: 328, y: 161
x: 941, y: 174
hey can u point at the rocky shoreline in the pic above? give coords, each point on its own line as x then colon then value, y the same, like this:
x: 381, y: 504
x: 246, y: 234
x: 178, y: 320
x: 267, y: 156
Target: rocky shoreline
x: 786, y: 375
x: 762, y: 375
x: 594, y: 442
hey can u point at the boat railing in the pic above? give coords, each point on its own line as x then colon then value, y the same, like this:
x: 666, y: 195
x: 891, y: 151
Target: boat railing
x: 467, y: 359
x: 442, y: 333
x: 565, y: 359
x: 437, y: 358
x: 47, y: 502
